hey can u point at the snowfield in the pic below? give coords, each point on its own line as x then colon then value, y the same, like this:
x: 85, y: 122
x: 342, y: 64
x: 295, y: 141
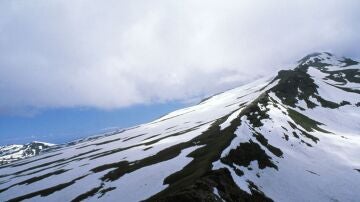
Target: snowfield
x: 291, y: 137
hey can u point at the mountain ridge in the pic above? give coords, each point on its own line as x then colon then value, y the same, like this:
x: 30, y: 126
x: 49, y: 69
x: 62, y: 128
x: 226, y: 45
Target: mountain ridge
x: 291, y: 137
x: 13, y: 152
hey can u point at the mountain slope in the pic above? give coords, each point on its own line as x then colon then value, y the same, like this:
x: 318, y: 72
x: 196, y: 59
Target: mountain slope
x: 12, y: 153
x: 291, y: 137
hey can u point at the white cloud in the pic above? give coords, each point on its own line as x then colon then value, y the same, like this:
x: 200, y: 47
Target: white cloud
x: 111, y: 54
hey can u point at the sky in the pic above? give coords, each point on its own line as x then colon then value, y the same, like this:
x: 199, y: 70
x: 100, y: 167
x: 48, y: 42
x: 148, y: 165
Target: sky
x: 101, y: 58
x: 62, y: 125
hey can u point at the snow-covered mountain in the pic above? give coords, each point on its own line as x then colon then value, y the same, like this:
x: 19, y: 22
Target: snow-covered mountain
x: 291, y: 137
x: 10, y: 153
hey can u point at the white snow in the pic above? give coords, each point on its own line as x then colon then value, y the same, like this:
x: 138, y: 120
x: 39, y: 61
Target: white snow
x: 324, y: 171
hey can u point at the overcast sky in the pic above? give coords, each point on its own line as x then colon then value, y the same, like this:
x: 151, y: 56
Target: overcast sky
x: 114, y: 54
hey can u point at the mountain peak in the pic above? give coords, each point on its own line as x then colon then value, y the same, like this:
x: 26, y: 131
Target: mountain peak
x: 10, y: 153
x: 323, y: 59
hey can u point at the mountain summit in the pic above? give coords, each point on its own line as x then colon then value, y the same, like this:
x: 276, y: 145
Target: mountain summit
x: 291, y: 137
x: 13, y: 152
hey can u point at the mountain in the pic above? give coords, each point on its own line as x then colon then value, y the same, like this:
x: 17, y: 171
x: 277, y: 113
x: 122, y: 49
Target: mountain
x: 13, y: 152
x: 291, y: 137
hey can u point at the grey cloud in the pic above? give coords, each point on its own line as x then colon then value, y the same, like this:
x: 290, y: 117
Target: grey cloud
x: 111, y: 54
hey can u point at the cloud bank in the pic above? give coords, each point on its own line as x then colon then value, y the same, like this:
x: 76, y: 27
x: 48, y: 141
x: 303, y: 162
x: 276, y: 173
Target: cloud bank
x: 113, y: 54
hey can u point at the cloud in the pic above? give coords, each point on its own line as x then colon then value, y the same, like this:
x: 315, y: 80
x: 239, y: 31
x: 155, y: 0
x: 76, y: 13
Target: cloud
x: 112, y: 54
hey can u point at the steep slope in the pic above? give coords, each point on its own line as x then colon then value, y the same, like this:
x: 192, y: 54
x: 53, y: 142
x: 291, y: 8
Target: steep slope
x: 293, y: 137
x: 12, y: 153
